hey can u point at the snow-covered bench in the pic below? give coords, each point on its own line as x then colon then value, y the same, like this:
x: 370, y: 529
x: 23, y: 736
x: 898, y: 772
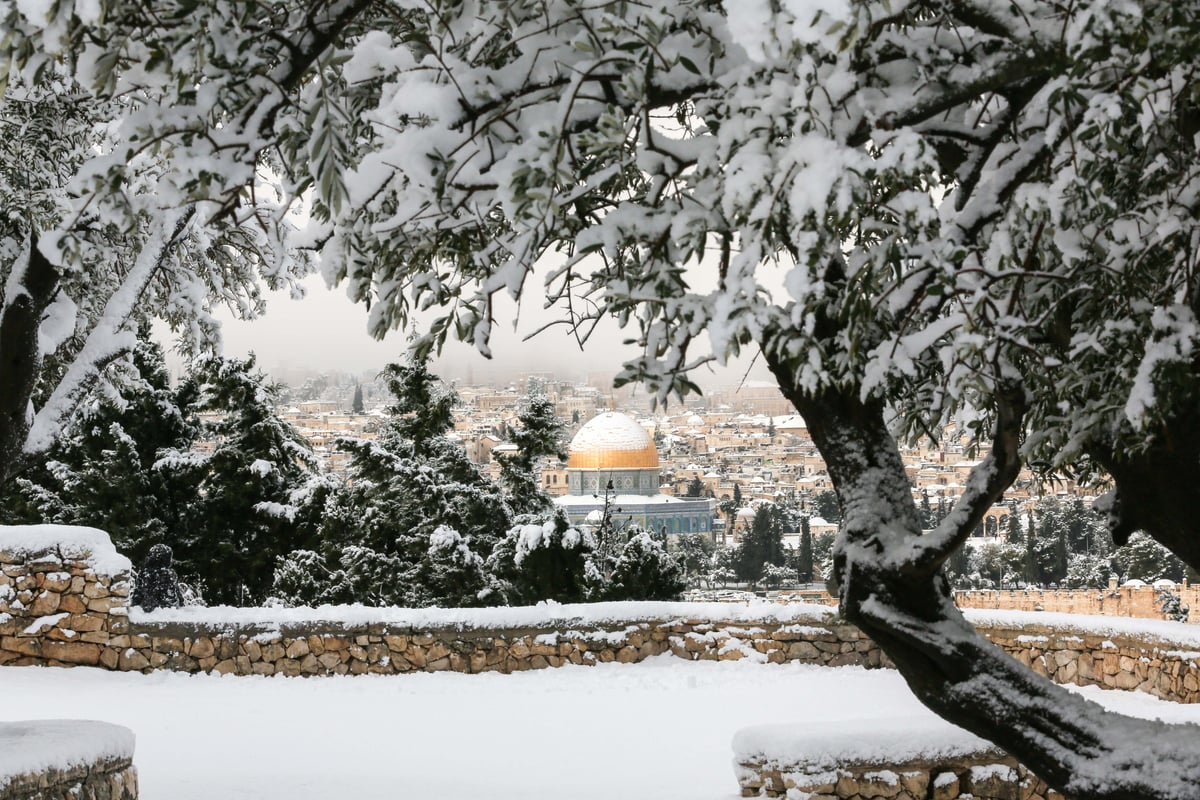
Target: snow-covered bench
x: 77, y: 759
x: 909, y: 758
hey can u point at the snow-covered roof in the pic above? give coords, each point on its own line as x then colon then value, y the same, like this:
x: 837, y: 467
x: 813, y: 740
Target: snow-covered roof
x: 624, y: 500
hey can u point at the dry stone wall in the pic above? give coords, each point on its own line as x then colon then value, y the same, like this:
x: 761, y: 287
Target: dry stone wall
x: 66, y: 760
x: 1110, y: 661
x: 61, y: 602
x: 987, y: 775
x: 67, y: 604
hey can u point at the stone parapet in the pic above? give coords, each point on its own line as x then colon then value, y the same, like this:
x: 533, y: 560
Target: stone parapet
x: 61, y: 600
x: 384, y: 648
x: 66, y: 602
x: 1110, y: 661
x: 987, y: 775
x: 66, y: 760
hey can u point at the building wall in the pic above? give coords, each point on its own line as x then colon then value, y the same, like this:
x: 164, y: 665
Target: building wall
x: 1119, y: 601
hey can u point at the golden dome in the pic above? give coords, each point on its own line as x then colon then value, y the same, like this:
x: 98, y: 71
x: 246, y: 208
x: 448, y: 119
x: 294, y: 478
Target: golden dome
x: 612, y: 441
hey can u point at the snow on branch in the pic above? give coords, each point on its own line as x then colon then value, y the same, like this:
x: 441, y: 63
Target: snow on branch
x: 110, y: 336
x: 985, y: 485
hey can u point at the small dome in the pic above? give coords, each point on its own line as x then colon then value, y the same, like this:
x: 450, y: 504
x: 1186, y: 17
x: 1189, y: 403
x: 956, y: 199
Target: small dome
x: 612, y: 441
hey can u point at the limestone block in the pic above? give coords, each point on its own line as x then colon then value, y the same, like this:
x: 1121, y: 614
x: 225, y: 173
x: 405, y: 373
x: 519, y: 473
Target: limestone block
x: 45, y: 604
x: 288, y: 666
x: 273, y: 652
x: 226, y: 667
x: 103, y: 605
x: 915, y: 783
x: 1064, y: 657
x: 298, y: 648
x: 72, y: 652
x: 132, y: 660
x: 992, y: 780
x: 93, y: 590
x: 202, y: 648
x: 21, y: 644
x: 109, y: 657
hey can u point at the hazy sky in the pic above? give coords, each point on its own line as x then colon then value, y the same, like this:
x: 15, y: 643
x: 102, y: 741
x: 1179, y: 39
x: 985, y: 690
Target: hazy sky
x: 326, y: 332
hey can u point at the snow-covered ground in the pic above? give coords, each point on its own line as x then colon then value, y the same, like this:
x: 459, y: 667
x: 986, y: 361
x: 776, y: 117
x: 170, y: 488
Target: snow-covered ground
x: 662, y: 729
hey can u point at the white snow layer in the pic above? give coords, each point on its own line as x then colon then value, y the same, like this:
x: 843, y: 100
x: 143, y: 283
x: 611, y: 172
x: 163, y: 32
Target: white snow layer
x: 35, y: 746
x: 1149, y: 630
x: 881, y: 740
x: 660, y: 729
x: 610, y: 431
x: 69, y: 541
x: 544, y: 615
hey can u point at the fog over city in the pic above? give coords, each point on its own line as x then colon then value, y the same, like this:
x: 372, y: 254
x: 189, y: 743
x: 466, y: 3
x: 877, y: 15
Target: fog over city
x: 326, y: 332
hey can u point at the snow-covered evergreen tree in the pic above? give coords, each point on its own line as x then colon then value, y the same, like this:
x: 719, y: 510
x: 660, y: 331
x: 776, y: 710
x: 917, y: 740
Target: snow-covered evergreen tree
x: 644, y: 570
x: 102, y: 471
x: 244, y: 512
x: 761, y: 544
x: 544, y: 558
x: 416, y: 520
x: 538, y: 434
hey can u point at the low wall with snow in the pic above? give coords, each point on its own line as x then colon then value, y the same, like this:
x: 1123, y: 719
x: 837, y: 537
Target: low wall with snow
x: 64, y: 600
x: 899, y: 759
x: 66, y: 760
x: 64, y: 593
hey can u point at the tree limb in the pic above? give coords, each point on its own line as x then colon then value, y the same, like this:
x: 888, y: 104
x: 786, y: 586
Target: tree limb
x: 985, y: 486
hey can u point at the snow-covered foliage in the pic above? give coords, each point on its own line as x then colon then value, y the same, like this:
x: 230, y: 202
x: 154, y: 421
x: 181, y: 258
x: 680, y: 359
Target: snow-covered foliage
x: 157, y: 585
x: 207, y: 468
x: 917, y: 211
x: 538, y: 435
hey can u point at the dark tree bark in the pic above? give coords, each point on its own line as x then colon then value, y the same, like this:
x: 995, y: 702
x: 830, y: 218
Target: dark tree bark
x: 1156, y: 487
x: 890, y: 584
x: 20, y: 361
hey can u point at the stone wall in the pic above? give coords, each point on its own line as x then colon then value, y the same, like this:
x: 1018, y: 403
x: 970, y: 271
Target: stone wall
x: 986, y: 775
x: 66, y: 760
x: 1118, y: 601
x: 67, y: 605
x: 61, y: 601
x: 1107, y: 660
x: 387, y: 648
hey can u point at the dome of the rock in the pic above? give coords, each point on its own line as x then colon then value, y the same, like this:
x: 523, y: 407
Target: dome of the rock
x: 612, y: 467
x: 612, y: 441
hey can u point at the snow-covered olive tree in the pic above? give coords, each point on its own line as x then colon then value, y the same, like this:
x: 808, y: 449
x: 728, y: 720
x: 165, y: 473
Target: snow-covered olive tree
x: 919, y: 212
x: 134, y: 184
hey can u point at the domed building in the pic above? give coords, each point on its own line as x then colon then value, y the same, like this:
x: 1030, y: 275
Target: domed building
x: 612, y: 455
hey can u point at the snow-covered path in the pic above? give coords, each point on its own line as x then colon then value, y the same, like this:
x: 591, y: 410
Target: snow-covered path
x: 660, y: 730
